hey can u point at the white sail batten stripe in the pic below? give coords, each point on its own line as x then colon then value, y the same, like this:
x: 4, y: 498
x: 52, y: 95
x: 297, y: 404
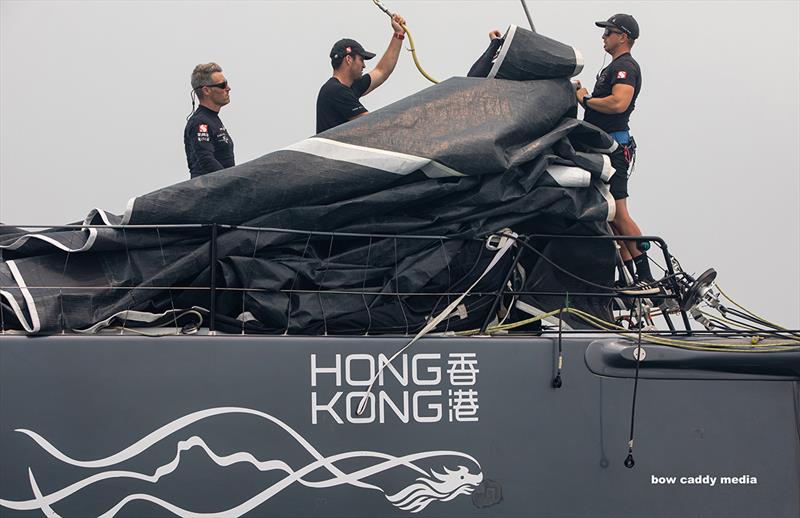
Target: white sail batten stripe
x: 61, y: 246
x: 503, y: 51
x: 34, y: 325
x: 126, y: 218
x: 608, y: 171
x: 570, y: 176
x: 389, y: 161
x: 103, y: 216
x: 605, y: 190
x: 536, y: 312
x: 15, y: 307
x: 90, y: 238
x: 578, y: 62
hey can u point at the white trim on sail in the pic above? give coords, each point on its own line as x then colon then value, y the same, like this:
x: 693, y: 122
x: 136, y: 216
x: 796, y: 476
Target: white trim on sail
x: 389, y: 161
x: 608, y: 171
x: 61, y: 246
x: 605, y: 190
x: 126, y: 218
x: 578, y: 62
x: 34, y: 325
x: 570, y: 176
x: 536, y: 312
x: 503, y: 51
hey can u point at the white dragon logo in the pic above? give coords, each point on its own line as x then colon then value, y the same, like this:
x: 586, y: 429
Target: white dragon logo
x: 429, y: 487
x: 416, y: 497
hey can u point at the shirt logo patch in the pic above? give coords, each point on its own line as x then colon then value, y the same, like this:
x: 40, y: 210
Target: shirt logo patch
x: 622, y: 74
x: 203, y: 128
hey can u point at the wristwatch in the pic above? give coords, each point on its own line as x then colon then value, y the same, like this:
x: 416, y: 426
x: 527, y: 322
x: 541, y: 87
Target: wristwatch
x: 585, y: 101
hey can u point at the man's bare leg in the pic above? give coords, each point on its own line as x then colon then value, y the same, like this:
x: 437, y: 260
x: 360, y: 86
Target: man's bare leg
x: 624, y: 225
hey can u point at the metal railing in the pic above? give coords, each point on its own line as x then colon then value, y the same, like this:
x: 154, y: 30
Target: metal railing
x: 216, y: 230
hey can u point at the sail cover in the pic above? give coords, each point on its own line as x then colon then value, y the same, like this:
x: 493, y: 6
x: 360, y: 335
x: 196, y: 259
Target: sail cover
x: 399, y: 205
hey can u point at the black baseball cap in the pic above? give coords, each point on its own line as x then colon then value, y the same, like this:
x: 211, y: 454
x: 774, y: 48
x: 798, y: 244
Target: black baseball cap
x: 347, y: 46
x: 624, y: 22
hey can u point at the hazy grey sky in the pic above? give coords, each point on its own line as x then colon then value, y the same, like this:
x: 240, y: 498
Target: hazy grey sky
x: 94, y: 97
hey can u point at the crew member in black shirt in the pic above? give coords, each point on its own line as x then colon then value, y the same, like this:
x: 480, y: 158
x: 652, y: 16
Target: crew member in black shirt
x: 609, y: 107
x: 208, y: 145
x: 338, y: 99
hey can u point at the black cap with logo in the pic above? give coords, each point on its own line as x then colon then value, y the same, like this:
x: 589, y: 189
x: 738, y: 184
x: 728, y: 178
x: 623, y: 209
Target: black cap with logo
x: 624, y: 22
x: 346, y: 47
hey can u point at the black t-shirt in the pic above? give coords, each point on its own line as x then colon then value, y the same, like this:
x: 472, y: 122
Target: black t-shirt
x: 337, y: 103
x: 208, y: 146
x: 623, y: 70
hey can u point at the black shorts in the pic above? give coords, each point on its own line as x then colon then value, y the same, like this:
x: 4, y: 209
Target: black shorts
x: 620, y: 161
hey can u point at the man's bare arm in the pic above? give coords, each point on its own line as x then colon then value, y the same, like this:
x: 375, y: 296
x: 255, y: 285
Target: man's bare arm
x: 619, y: 100
x: 388, y: 61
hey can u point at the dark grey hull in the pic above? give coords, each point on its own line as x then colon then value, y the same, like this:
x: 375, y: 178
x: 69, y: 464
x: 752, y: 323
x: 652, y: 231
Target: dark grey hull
x: 106, y: 413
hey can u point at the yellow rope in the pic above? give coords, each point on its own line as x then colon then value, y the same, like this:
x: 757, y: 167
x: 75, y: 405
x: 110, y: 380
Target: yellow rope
x: 413, y: 51
x: 699, y: 345
x: 747, y: 310
x: 728, y: 321
x: 753, y: 346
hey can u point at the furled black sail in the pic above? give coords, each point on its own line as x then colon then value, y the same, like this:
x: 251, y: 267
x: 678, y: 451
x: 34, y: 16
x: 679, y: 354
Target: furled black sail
x: 458, y: 161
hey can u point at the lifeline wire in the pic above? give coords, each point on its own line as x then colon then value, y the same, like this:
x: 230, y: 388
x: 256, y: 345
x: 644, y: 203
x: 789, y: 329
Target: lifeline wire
x: 648, y: 288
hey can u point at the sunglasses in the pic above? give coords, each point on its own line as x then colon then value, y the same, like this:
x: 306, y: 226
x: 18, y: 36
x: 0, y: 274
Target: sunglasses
x: 609, y: 32
x: 222, y: 86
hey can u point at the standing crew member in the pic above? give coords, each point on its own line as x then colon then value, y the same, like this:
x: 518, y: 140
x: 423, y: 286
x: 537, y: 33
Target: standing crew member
x: 208, y: 145
x: 338, y: 99
x: 609, y: 107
